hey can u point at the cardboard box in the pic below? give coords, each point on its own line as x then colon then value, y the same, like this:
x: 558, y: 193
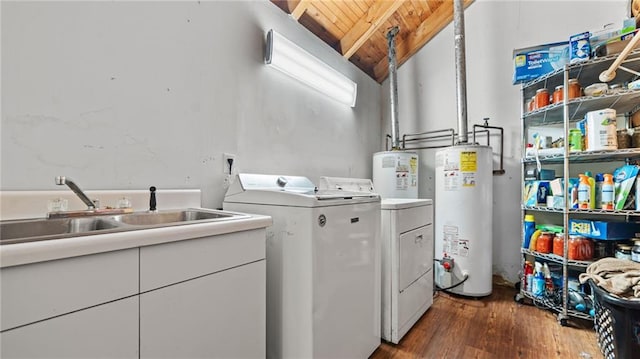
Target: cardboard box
x: 603, y: 230
x: 610, y: 34
x: 533, y: 62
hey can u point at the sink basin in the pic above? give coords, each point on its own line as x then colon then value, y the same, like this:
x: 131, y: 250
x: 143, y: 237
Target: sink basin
x: 19, y: 231
x: 172, y: 217
x: 38, y: 229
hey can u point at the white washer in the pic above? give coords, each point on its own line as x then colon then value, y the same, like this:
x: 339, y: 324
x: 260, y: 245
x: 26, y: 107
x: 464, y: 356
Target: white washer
x: 323, y: 265
x: 407, y: 262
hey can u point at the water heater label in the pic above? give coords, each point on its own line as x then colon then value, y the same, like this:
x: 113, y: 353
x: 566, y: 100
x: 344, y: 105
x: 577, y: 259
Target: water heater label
x: 388, y: 162
x: 406, y: 173
x: 453, y: 245
x: 451, y: 180
x: 468, y: 161
x: 469, y: 179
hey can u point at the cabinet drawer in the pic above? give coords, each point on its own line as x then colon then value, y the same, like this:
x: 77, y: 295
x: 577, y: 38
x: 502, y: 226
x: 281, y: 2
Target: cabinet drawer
x: 412, y: 218
x: 174, y: 262
x: 33, y: 292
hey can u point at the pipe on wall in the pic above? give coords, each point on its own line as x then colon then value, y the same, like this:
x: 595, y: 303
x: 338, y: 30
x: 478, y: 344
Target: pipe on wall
x: 393, y: 86
x: 461, y: 71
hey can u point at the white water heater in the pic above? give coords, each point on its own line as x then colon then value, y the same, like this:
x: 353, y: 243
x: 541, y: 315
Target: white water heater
x: 463, y: 219
x: 395, y: 174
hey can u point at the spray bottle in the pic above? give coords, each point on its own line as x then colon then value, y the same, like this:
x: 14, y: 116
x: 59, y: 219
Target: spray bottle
x: 538, y: 281
x: 608, y: 194
x: 584, y: 192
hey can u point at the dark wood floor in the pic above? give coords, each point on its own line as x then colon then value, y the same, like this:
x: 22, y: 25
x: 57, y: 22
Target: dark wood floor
x: 492, y: 327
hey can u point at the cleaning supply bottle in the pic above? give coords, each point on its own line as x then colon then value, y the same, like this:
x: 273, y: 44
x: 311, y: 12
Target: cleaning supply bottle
x: 599, y: 180
x: 538, y: 281
x: 534, y: 239
x: 548, y: 283
x: 608, y: 195
x: 584, y: 192
x: 574, y: 196
x: 592, y: 186
x: 528, y: 229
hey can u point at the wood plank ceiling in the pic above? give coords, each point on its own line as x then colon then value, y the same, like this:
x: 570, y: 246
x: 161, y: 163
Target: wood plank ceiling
x: 357, y: 28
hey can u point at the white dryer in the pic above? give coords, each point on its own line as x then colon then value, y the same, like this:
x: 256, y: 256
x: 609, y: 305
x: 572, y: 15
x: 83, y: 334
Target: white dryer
x: 407, y: 262
x: 323, y: 265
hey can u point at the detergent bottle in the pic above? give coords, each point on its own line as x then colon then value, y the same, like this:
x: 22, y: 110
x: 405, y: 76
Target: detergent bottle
x: 584, y: 192
x: 528, y: 229
x: 608, y: 195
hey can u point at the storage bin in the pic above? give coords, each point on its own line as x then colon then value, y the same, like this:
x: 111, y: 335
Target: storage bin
x: 617, y: 324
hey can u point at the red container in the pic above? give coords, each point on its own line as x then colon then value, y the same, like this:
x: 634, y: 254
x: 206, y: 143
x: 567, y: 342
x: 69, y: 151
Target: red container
x: 558, y: 244
x: 545, y: 242
x: 542, y: 98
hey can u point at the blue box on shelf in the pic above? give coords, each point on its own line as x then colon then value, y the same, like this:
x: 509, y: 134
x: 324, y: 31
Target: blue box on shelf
x: 536, y: 192
x: 532, y: 62
x: 603, y: 230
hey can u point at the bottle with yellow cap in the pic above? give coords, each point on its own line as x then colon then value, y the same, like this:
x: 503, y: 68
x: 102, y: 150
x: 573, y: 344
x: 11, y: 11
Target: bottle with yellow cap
x: 528, y: 229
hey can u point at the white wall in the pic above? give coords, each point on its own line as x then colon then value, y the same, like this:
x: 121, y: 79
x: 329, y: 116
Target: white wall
x: 125, y: 95
x: 426, y: 90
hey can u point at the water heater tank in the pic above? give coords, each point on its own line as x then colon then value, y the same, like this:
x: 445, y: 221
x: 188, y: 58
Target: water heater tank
x: 395, y: 174
x: 463, y: 218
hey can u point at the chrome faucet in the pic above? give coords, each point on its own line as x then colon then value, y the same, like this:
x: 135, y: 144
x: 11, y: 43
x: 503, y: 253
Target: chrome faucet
x: 62, y: 180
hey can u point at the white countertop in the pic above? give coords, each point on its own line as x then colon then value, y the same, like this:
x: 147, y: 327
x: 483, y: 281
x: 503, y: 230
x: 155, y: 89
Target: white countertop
x: 45, y: 250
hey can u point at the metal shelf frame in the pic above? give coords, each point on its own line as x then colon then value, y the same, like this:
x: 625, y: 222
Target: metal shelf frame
x: 563, y: 115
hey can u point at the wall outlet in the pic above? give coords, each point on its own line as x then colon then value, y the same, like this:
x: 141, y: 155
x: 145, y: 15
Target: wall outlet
x: 228, y: 163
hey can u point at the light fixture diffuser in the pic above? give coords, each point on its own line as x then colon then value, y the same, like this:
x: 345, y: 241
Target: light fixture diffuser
x: 291, y: 59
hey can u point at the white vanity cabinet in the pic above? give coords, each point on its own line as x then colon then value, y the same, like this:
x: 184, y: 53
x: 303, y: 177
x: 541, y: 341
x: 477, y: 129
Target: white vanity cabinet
x: 204, y: 298
x: 78, y: 307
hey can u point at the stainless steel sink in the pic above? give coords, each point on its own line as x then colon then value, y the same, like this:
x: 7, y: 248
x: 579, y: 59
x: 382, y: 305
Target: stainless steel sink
x: 39, y: 229
x: 172, y: 217
x: 19, y: 231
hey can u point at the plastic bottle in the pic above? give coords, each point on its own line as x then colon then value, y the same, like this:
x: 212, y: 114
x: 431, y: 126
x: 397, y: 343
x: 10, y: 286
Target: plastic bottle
x: 608, y: 195
x: 548, y: 282
x: 534, y: 239
x: 528, y: 229
x: 538, y: 281
x: 528, y: 276
x: 592, y: 186
x: 599, y: 180
x: 584, y: 192
x: 574, y: 196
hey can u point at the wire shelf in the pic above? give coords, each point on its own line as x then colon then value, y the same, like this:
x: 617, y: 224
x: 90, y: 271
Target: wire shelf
x: 556, y: 258
x: 588, y: 156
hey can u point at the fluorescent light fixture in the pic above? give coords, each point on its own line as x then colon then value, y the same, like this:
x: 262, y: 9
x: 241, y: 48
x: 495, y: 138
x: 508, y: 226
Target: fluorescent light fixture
x: 289, y: 58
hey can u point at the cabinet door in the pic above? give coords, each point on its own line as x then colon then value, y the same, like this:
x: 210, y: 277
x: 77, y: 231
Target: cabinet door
x: 415, y: 255
x: 105, y: 331
x: 33, y: 292
x: 220, y: 315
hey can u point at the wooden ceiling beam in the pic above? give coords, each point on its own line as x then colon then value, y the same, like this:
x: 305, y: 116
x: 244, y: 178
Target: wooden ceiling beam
x: 414, y: 41
x: 367, y: 25
x: 299, y: 9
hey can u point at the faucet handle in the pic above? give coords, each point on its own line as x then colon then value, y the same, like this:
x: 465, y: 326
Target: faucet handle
x: 152, y: 199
